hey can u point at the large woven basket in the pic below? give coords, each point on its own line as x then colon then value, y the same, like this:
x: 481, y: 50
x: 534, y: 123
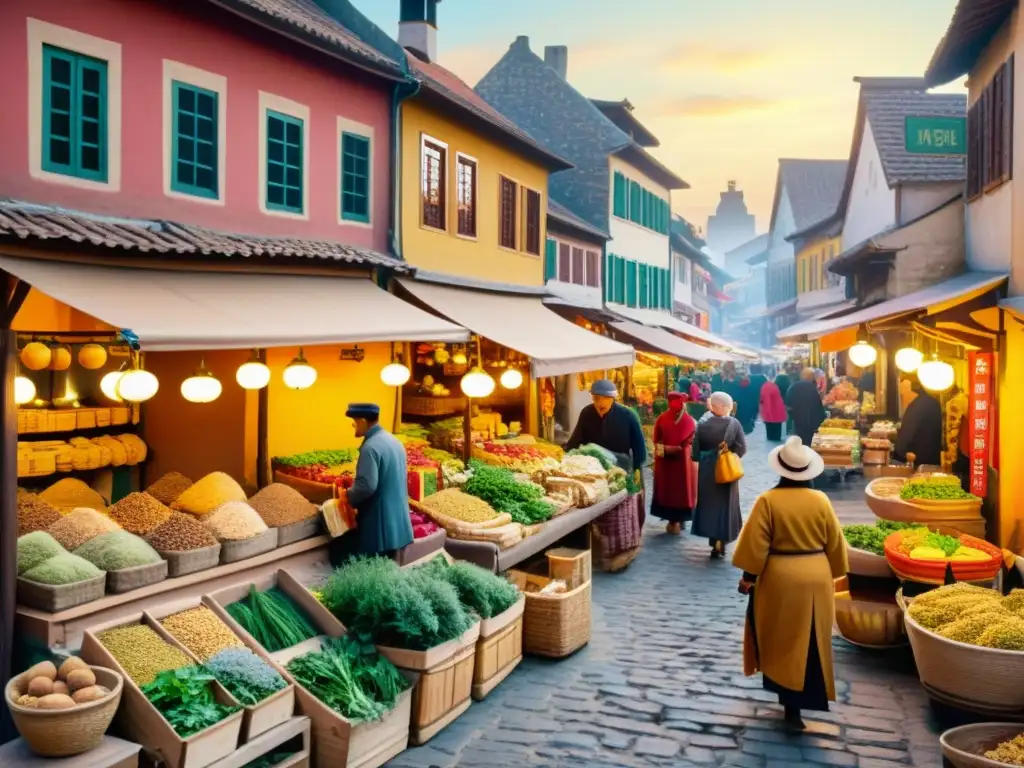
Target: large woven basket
x: 976, y: 679
x: 557, y: 625
x: 965, y: 747
x: 868, y: 623
x: 67, y: 732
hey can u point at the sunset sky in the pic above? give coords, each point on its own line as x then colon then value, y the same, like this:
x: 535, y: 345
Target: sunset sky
x: 728, y: 86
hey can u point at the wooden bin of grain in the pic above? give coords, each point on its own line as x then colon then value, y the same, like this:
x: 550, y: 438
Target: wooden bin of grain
x: 337, y: 741
x: 187, y: 545
x: 135, y: 647
x: 285, y: 509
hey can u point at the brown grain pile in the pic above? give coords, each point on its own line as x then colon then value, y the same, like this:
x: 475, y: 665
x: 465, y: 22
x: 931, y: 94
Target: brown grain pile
x: 79, y: 526
x: 279, y: 504
x: 181, y: 533
x: 168, y: 488
x: 139, y: 513
x: 201, y: 631
x: 34, y: 514
x: 235, y: 521
x: 71, y: 493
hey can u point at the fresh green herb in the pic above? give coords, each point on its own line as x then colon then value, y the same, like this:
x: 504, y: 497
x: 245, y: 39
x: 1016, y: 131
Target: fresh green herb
x: 936, y: 489
x: 606, y: 458
x: 326, y: 458
x: 499, y: 488
x: 479, y: 590
x: 871, y: 538
x: 947, y: 544
x: 272, y: 618
x: 350, y: 677
x: 268, y: 761
x: 184, y: 696
x: 246, y: 676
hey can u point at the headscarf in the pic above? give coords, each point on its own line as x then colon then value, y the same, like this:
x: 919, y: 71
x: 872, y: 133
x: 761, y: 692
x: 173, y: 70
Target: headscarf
x: 676, y: 401
x: 675, y: 426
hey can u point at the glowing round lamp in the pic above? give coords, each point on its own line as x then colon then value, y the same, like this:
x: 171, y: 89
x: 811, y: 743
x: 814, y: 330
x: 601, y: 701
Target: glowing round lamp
x: 36, y: 356
x: 92, y: 357
x: 252, y: 375
x: 61, y: 358
x: 394, y: 374
x: 511, y: 379
x: 909, y: 359
x: 935, y: 375
x: 137, y: 386
x: 24, y: 390
x: 862, y: 354
x: 201, y: 387
x: 477, y: 383
x: 108, y: 385
x: 459, y: 358
x: 299, y: 374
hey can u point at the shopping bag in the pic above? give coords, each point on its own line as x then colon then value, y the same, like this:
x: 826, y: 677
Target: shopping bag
x: 728, y: 467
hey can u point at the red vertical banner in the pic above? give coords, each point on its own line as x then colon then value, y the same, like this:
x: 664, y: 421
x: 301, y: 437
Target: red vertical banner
x: 979, y: 418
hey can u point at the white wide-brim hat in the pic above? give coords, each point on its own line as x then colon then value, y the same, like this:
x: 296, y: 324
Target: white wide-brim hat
x: 796, y: 461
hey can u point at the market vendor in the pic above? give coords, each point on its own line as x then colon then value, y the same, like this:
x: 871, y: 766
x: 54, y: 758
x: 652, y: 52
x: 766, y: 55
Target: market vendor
x: 612, y: 426
x: 379, y: 493
x: 920, y: 431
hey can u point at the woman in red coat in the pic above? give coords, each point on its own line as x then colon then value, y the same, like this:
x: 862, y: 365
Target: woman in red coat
x: 675, y: 473
x: 773, y: 411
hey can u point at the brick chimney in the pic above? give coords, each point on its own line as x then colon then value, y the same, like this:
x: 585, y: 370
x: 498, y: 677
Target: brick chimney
x: 417, y: 28
x: 557, y: 57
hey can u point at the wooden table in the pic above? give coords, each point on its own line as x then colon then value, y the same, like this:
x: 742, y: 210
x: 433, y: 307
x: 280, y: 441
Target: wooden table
x: 111, y: 753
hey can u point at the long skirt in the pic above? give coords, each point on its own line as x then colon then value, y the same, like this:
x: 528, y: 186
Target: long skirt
x: 773, y: 431
x: 717, y: 515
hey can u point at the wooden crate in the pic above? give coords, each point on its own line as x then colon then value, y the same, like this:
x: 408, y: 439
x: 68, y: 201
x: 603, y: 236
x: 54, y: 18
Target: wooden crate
x: 573, y: 566
x: 441, y: 695
x: 140, y: 721
x: 498, y: 654
x: 420, y: 405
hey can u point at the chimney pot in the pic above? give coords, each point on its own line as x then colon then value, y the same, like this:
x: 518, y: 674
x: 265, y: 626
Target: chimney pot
x: 557, y: 57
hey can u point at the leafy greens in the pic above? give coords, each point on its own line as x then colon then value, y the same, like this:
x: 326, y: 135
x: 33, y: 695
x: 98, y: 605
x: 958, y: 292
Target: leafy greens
x: 185, y: 698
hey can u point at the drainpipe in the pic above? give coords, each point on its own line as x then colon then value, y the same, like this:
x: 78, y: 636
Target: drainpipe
x: 403, y: 90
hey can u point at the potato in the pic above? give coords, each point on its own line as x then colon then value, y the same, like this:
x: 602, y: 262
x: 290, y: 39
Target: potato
x: 40, y: 686
x: 42, y: 669
x: 69, y: 666
x: 27, y: 701
x: 59, y: 686
x: 55, y: 701
x: 81, y: 678
x: 91, y: 693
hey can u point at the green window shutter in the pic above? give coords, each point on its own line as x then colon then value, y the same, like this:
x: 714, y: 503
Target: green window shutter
x: 621, y: 208
x: 355, y: 177
x: 620, y: 280
x: 667, y: 287
x: 655, y: 289
x: 644, y: 286
x: 609, y: 277
x: 663, y: 223
x: 285, y: 168
x: 194, y: 146
x: 635, y: 202
x: 550, y: 259
x: 631, y: 270
x: 74, y: 114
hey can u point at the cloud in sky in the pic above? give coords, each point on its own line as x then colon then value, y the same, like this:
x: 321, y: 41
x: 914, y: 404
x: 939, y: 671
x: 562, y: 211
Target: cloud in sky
x: 714, y: 105
x: 720, y: 59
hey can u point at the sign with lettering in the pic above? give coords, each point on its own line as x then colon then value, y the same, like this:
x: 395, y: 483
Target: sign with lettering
x: 979, y: 419
x: 936, y: 135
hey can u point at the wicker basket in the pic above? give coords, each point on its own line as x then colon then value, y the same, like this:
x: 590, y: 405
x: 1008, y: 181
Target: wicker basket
x: 67, y: 732
x: 965, y: 747
x: 969, y: 677
x: 140, y: 576
x: 191, y: 560
x: 432, y: 406
x: 570, y: 565
x: 868, y: 623
x: 54, y: 598
x: 233, y: 551
x: 303, y: 529
x: 557, y: 625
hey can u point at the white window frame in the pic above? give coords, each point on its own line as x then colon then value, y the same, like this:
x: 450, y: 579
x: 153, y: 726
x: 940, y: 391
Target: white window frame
x: 476, y: 195
x: 189, y: 75
x: 274, y: 103
x: 40, y: 33
x: 425, y: 139
x: 362, y: 129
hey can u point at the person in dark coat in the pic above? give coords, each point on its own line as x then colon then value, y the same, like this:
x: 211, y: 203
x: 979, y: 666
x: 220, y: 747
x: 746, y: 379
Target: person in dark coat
x: 380, y: 492
x: 921, y: 429
x: 612, y: 426
x: 804, y: 402
x: 717, y: 515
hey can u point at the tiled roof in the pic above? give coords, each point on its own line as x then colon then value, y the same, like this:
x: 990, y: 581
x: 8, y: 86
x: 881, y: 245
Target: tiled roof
x: 562, y: 214
x: 448, y: 85
x: 814, y: 188
x: 887, y: 111
x: 621, y: 113
x: 972, y: 27
x: 308, y: 20
x: 30, y: 222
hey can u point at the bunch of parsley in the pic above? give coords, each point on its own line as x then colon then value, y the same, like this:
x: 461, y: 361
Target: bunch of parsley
x: 185, y: 698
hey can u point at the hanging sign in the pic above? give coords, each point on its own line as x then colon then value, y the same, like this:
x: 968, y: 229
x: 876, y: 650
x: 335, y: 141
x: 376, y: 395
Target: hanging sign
x: 979, y: 419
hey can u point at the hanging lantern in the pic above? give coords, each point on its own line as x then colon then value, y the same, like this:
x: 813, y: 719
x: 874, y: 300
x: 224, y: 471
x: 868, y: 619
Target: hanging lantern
x: 477, y: 383
x: 36, y: 356
x: 136, y: 386
x: 202, y: 386
x: 909, y: 359
x: 394, y: 374
x: 512, y: 379
x: 92, y: 357
x: 24, y: 390
x: 862, y: 354
x: 299, y: 374
x: 936, y: 375
x: 60, y: 359
x: 253, y: 374
x: 108, y: 385
x: 459, y: 358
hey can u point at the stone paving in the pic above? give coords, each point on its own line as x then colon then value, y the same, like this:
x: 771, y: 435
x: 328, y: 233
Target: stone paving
x: 661, y: 682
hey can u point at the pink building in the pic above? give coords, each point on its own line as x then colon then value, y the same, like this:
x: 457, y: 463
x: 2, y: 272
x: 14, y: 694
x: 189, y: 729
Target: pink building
x: 258, y: 117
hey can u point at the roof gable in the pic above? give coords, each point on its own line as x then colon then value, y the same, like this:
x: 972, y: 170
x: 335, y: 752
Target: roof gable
x: 621, y: 113
x: 814, y: 188
x: 974, y: 24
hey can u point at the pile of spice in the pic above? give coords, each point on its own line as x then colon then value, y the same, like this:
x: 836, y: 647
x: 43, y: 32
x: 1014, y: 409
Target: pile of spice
x: 34, y: 514
x: 81, y: 525
x: 142, y: 653
x: 209, y: 493
x: 235, y: 521
x: 70, y: 493
x: 168, y: 488
x: 279, y: 504
x: 201, y: 631
x: 246, y: 676
x: 36, y: 548
x: 181, y: 533
x: 63, y: 568
x: 118, y: 550
x: 139, y: 513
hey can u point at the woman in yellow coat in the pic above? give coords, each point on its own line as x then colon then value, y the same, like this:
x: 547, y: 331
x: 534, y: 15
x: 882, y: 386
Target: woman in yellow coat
x: 791, y: 548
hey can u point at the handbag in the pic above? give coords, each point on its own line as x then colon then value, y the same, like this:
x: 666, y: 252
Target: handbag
x: 728, y: 467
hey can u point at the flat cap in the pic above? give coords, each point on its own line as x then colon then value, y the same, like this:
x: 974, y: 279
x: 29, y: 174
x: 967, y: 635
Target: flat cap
x: 362, y: 410
x: 604, y: 388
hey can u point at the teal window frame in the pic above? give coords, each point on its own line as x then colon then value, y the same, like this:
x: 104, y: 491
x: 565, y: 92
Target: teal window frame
x: 182, y: 139
x: 356, y: 154
x: 645, y: 286
x: 620, y: 196
x: 284, y: 185
x: 550, y: 259
x: 631, y: 283
x: 635, y: 202
x: 79, y: 67
x: 619, y: 288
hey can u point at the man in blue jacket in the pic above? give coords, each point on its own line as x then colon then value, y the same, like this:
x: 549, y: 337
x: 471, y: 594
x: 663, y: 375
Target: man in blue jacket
x: 612, y: 426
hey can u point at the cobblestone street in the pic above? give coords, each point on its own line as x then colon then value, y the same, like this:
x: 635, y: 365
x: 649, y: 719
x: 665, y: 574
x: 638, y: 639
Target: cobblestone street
x: 661, y: 682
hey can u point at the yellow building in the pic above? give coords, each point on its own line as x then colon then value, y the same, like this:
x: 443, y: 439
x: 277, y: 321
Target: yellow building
x: 812, y: 260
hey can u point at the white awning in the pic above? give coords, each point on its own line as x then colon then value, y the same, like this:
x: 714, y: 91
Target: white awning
x: 934, y: 298
x: 181, y: 310
x: 662, y: 319
x: 669, y: 343
x: 554, y: 346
